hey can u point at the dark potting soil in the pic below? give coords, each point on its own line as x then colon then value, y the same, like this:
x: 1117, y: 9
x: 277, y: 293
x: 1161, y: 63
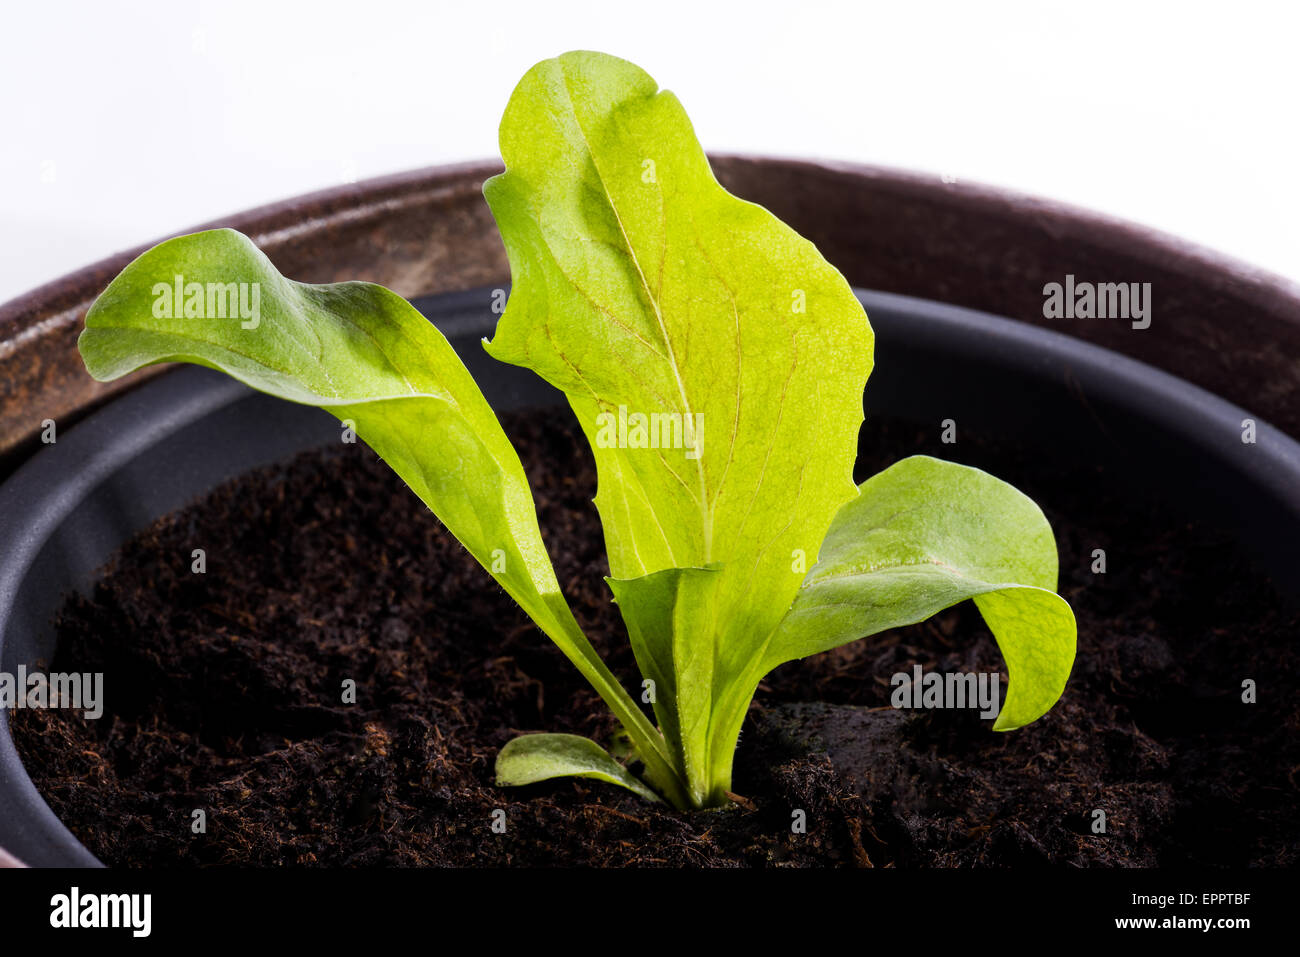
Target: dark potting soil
x: 223, y: 693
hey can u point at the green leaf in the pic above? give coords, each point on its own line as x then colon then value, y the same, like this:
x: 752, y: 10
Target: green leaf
x: 642, y: 288
x: 924, y: 535
x: 651, y: 288
x: 530, y: 758
x: 367, y: 356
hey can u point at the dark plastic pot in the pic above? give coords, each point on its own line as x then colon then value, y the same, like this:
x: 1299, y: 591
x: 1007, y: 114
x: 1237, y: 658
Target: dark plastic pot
x: 69, y: 507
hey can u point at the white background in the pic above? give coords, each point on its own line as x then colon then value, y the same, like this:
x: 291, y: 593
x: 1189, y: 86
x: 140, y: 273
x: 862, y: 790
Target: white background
x: 125, y: 122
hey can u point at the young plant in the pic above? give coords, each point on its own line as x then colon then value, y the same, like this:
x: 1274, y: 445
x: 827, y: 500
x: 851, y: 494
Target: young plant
x: 716, y: 363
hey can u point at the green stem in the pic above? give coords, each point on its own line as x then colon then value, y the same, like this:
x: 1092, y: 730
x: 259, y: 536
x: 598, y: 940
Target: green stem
x: 724, y: 736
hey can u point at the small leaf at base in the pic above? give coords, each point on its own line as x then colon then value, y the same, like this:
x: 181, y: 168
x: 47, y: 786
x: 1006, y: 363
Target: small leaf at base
x: 530, y: 758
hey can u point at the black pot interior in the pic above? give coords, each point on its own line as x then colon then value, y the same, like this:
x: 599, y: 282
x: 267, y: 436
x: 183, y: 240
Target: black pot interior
x: 69, y: 508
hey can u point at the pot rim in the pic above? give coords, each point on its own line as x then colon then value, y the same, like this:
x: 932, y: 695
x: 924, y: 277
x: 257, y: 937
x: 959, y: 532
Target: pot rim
x: 281, y: 219
x: 1228, y: 326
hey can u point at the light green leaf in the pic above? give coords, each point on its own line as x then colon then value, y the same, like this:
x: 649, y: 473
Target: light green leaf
x: 530, y: 758
x: 367, y: 356
x: 924, y: 535
x: 641, y: 287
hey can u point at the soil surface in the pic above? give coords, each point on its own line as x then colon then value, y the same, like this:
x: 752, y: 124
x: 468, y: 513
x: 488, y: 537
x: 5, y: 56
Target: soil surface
x: 224, y: 694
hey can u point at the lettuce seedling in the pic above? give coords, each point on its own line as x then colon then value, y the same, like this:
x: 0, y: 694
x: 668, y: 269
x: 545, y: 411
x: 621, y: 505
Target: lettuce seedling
x: 716, y: 363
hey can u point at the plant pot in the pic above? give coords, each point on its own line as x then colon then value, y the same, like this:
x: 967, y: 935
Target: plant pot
x: 1076, y: 418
